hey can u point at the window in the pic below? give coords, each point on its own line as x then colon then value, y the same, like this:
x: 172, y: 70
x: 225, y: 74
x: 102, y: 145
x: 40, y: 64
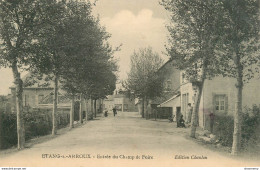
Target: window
x: 64, y: 99
x: 220, y: 103
x: 183, y: 77
x: 40, y: 98
x: 168, y: 85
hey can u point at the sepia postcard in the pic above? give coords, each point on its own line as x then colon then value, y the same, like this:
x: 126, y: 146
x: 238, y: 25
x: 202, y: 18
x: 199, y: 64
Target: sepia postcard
x: 129, y: 83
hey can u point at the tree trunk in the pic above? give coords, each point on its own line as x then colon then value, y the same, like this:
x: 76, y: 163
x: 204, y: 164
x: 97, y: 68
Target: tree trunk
x: 146, y: 108
x: 80, y: 109
x: 155, y: 114
x: 238, y: 109
x: 72, y: 112
x: 1, y: 129
x: 19, y: 106
x: 195, y: 110
x: 55, y: 107
x: 95, y: 107
x: 91, y: 105
x: 143, y: 107
x: 86, y: 106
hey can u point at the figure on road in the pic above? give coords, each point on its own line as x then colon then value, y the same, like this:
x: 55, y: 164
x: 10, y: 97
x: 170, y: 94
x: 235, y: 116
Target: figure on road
x: 114, y: 111
x: 171, y: 118
x: 181, y: 122
x: 106, y: 113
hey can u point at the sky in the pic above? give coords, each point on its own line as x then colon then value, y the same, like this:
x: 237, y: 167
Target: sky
x: 133, y: 23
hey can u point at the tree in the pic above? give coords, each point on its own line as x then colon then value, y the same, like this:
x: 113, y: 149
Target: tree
x: 89, y: 66
x: 71, y: 91
x: 50, y: 44
x: 74, y: 73
x: 104, y: 84
x: 18, y: 22
x: 193, y: 42
x: 241, y: 35
x: 66, y: 45
x: 142, y: 79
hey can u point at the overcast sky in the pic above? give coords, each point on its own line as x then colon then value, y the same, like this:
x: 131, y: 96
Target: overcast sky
x: 133, y: 23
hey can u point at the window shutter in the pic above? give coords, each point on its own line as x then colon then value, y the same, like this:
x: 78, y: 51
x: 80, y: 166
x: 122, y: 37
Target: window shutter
x: 226, y: 104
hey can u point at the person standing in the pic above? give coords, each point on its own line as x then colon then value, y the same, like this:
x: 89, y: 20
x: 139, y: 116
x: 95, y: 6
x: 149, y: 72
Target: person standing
x: 114, y: 111
x: 212, y: 117
x: 189, y: 113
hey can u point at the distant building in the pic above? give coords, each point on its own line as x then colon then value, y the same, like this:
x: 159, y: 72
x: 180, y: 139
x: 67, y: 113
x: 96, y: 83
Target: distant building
x: 108, y: 102
x: 120, y: 101
x: 5, y: 104
x: 40, y: 95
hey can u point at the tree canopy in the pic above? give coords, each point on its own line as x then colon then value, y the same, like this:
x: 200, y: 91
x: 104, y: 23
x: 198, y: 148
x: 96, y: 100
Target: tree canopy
x: 142, y: 78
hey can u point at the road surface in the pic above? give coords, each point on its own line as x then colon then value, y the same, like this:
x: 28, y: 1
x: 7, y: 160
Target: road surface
x: 124, y: 140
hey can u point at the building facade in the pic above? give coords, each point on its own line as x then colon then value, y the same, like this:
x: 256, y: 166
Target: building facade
x: 218, y: 97
x: 40, y: 96
x: 168, y: 103
x: 121, y: 102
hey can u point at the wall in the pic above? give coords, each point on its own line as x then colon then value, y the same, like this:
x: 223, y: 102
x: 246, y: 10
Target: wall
x: 171, y: 74
x: 32, y: 96
x: 176, y: 103
x: 171, y: 86
x: 108, y: 104
x: 130, y: 105
x: 226, y: 86
x: 186, y: 88
x: 121, y: 102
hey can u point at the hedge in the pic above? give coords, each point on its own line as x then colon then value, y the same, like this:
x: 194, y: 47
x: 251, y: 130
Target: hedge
x: 36, y: 122
x: 224, y: 127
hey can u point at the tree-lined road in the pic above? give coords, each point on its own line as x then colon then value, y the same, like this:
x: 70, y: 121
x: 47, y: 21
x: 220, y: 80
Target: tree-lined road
x: 126, y: 136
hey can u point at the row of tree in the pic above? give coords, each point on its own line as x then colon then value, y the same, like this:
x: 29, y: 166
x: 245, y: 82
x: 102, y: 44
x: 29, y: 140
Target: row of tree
x: 210, y: 38
x: 60, y: 41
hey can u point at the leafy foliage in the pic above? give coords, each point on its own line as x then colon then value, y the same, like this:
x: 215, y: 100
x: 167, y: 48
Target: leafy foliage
x: 75, y: 48
x: 241, y: 37
x: 143, y: 80
x: 224, y: 126
x: 37, y: 123
x: 195, y: 36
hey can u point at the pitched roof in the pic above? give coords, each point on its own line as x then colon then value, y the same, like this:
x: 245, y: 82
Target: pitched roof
x: 109, y: 98
x: 168, y: 102
x: 164, y: 65
x: 30, y: 82
x: 165, y: 96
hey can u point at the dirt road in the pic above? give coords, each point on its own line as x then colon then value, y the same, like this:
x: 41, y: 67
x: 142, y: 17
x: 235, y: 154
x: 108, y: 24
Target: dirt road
x: 124, y: 140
